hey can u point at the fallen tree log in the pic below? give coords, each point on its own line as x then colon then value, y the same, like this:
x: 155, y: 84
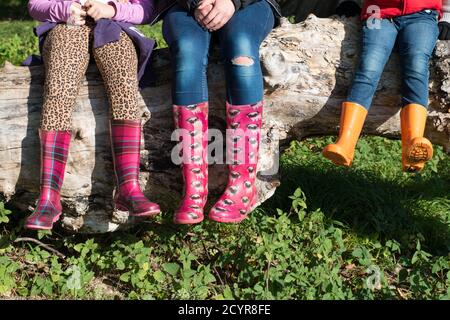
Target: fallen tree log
x: 308, y: 68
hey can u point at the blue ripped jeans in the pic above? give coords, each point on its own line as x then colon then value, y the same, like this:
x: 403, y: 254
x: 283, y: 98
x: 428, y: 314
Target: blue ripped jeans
x: 414, y: 36
x: 241, y: 37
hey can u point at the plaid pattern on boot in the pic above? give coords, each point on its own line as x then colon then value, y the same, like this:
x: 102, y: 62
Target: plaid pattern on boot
x: 126, y: 144
x: 54, y: 153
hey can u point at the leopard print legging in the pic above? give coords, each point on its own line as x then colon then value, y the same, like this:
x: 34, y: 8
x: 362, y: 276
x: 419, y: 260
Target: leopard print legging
x: 66, y: 53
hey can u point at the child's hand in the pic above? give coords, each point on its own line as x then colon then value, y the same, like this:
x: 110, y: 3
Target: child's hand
x: 97, y: 10
x: 203, y: 9
x: 220, y: 14
x: 77, y: 15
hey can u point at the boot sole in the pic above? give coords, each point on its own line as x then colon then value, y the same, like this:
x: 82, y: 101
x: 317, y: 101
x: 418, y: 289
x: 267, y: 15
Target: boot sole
x: 145, y: 214
x: 124, y: 210
x: 413, y: 168
x: 337, y: 158
x: 227, y: 220
x: 419, y: 153
x: 188, y: 221
x: 219, y: 219
x: 37, y: 227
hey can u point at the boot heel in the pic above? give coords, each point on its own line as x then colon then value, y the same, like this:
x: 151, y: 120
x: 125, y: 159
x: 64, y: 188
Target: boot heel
x: 337, y: 155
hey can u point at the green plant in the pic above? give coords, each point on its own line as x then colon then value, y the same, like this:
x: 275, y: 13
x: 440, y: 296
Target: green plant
x: 4, y: 213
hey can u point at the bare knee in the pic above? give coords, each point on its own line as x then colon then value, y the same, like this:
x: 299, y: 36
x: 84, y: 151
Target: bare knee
x: 243, y: 61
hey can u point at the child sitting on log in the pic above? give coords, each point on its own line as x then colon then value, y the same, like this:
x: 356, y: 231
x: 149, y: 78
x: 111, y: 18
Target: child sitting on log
x: 70, y: 34
x: 412, y: 27
x: 238, y: 27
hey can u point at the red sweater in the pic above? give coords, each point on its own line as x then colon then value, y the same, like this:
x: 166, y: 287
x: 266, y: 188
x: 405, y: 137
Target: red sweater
x: 395, y: 8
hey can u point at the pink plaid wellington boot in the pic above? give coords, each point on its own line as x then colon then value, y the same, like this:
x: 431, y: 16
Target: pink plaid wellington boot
x: 193, y: 122
x: 126, y: 145
x: 243, y: 138
x: 54, y: 152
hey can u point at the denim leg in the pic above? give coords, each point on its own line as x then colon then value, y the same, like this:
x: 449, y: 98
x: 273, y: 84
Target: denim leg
x: 189, y: 47
x: 416, y: 41
x: 377, y: 45
x: 240, y: 40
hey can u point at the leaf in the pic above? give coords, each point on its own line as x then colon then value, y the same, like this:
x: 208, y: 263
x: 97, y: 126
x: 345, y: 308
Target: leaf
x: 120, y: 265
x: 209, y: 278
x: 159, y: 276
x: 145, y: 266
x: 188, y: 273
x: 228, y: 293
x: 125, y: 277
x: 171, y: 268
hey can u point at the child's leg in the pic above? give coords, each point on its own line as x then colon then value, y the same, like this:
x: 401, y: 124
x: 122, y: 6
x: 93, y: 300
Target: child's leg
x: 377, y: 44
x: 118, y: 64
x: 66, y: 56
x: 416, y: 42
x: 240, y: 40
x: 189, y: 46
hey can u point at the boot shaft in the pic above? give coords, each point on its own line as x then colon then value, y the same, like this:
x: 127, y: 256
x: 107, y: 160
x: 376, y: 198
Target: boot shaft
x: 54, y: 154
x: 192, y: 123
x: 352, y: 121
x: 243, y: 135
x: 126, y: 146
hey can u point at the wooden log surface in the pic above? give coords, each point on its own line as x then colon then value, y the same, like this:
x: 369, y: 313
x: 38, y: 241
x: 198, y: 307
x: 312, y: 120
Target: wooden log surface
x: 308, y: 68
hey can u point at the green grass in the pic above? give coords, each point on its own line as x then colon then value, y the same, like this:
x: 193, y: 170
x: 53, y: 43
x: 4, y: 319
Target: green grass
x: 18, y: 40
x: 374, y: 196
x: 369, y: 232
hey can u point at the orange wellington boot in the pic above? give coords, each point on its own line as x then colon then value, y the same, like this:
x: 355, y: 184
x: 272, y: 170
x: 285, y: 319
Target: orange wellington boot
x: 352, y: 120
x: 416, y: 150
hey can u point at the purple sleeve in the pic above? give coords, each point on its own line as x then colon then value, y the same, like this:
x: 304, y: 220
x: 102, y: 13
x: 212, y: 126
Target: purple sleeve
x: 49, y: 10
x: 135, y: 12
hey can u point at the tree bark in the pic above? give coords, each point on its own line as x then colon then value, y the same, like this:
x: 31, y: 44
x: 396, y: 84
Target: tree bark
x: 308, y: 68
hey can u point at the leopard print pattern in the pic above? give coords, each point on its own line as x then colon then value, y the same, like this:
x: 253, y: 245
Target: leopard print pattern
x: 66, y: 58
x: 118, y: 64
x: 67, y: 51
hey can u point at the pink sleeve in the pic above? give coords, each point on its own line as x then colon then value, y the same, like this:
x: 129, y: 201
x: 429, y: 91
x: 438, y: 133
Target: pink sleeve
x: 135, y: 12
x: 49, y: 10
